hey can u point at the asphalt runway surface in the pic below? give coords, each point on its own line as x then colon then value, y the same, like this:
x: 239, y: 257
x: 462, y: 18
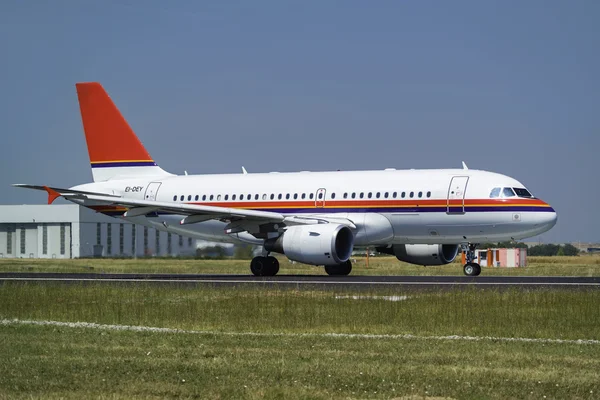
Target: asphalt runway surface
x: 310, y: 281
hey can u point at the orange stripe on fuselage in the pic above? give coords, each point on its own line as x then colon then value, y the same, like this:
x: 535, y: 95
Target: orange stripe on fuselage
x: 394, y: 203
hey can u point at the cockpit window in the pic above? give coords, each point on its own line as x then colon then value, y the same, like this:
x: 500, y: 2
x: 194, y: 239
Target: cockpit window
x: 508, y: 192
x: 521, y: 192
x: 495, y: 193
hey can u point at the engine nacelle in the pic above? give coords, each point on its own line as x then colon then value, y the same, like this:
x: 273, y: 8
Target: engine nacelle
x: 423, y: 254
x: 319, y: 244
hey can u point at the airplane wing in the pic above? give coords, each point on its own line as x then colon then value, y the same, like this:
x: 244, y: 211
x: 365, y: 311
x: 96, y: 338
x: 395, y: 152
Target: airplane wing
x: 239, y: 219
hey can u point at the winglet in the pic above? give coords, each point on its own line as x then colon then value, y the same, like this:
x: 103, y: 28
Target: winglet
x: 52, y: 194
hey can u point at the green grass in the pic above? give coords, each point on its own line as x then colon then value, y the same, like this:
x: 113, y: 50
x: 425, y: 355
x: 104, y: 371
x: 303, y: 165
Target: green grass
x: 588, y: 265
x: 63, y: 362
x: 564, y: 314
x: 46, y: 362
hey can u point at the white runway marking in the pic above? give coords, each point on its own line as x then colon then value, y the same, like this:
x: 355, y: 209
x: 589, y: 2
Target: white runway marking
x: 92, y: 325
x: 386, y: 298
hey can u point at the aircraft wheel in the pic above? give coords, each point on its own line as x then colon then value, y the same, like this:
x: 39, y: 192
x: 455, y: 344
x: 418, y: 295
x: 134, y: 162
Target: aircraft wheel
x: 273, y: 266
x: 339, y: 269
x: 258, y: 265
x: 264, y: 266
x: 472, y: 269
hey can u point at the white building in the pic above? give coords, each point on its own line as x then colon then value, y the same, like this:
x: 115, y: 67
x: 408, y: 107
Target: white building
x: 71, y: 231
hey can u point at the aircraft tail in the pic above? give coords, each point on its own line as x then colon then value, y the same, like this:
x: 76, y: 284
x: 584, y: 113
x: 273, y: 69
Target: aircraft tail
x: 114, y: 149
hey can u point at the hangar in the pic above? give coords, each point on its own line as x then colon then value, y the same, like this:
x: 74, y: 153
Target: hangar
x: 71, y: 231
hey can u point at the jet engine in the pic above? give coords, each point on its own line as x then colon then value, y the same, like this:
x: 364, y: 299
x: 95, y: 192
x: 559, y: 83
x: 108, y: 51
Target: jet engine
x: 319, y: 244
x: 422, y: 254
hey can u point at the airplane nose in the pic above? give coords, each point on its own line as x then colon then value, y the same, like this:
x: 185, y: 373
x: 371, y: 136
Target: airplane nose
x: 541, y: 221
x: 549, y: 219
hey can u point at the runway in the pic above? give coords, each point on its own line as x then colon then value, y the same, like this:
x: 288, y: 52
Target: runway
x: 309, y: 281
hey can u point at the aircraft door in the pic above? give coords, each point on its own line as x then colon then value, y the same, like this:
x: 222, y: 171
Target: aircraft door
x: 456, y: 195
x: 320, y: 198
x: 151, y: 191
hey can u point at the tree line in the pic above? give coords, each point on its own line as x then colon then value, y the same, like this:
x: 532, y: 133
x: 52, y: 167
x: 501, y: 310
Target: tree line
x: 246, y: 252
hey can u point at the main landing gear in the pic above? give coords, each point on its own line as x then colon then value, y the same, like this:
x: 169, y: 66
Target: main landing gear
x: 339, y: 269
x: 264, y: 266
x: 471, y: 268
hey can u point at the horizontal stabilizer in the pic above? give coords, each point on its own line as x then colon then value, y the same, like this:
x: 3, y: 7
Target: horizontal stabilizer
x: 54, y: 192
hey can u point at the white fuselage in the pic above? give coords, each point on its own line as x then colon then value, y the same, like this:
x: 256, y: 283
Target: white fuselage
x: 387, y: 207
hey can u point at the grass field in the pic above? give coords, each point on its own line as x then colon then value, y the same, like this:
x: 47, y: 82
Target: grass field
x: 585, y: 265
x: 267, y: 343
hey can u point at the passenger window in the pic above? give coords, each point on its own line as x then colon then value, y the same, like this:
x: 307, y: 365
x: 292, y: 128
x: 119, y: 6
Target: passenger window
x: 181, y: 198
x: 386, y: 195
x: 218, y: 197
x: 233, y: 197
x: 403, y: 194
x: 241, y: 197
x: 362, y: 195
x: 394, y: 194
x: 226, y: 197
x: 508, y: 192
x: 420, y: 194
x: 287, y: 196
x: 272, y: 196
x: 378, y: 195
x: 279, y: 196
x: 264, y: 197
x: 312, y: 195
x: 303, y: 196
x: 295, y: 196
x: 428, y: 194
x: 320, y: 195
x: 175, y: 198
x: 345, y: 195
x: 412, y: 194
x: 353, y: 195
x: 249, y: 197
x: 212, y: 197
x: 196, y: 198
x: 370, y: 195
x: 495, y: 193
x: 189, y: 197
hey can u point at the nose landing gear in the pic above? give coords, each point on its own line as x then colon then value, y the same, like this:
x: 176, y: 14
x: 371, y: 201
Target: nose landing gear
x: 471, y: 268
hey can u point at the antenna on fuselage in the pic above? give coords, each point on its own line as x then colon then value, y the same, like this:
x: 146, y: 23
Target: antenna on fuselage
x: 464, y: 165
x: 244, y: 171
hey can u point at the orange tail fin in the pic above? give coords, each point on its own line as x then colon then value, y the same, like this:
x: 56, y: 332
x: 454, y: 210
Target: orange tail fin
x: 114, y: 149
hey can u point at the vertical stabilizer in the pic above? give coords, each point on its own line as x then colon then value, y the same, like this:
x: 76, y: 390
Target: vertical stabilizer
x: 114, y: 149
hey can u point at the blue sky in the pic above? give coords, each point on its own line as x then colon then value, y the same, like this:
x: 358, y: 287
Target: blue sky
x: 508, y: 86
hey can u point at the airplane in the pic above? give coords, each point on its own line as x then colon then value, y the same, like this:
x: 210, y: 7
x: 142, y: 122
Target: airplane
x: 422, y: 217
